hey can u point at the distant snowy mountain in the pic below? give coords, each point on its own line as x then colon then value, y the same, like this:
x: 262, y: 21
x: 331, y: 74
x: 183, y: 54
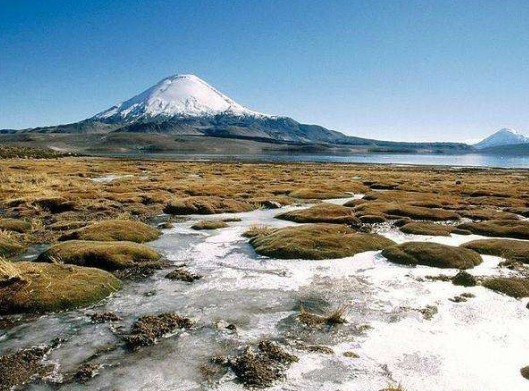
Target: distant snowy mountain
x: 179, y: 96
x: 185, y: 106
x: 502, y: 137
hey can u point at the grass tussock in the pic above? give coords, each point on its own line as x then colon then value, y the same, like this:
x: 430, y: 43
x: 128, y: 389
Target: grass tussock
x: 317, y: 241
x: 207, y: 206
x: 50, y: 287
x: 432, y: 254
x: 9, y: 244
x: 209, y: 225
x: 336, y: 317
x: 517, y: 229
x: 115, y: 230
x: 322, y: 213
x: 103, y: 255
x: 514, y: 250
x: 517, y: 287
x: 256, y: 230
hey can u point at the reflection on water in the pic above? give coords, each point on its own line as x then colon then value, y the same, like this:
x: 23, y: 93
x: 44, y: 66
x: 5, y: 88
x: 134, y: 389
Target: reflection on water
x: 470, y: 160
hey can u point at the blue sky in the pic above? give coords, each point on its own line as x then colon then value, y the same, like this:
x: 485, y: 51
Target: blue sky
x: 400, y: 70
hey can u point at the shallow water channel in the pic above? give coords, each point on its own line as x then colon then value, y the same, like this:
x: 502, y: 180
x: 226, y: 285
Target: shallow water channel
x: 477, y: 345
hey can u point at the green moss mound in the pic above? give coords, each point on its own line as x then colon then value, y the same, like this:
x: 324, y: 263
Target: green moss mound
x: 432, y: 254
x: 321, y: 213
x: 28, y: 287
x: 15, y: 225
x: 517, y: 229
x: 209, y: 225
x: 431, y: 229
x: 511, y: 286
x: 515, y: 250
x: 206, y: 206
x: 316, y: 241
x: 115, y: 230
x: 103, y: 255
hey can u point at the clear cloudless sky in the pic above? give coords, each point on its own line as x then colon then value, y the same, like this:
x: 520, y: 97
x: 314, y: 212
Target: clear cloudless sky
x: 396, y: 69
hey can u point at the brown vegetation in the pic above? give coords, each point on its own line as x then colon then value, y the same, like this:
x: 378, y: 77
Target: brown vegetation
x: 39, y: 287
x: 432, y: 254
x: 316, y: 241
x: 103, y: 255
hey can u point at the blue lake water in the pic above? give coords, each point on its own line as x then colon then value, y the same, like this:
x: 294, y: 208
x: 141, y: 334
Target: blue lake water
x: 468, y: 160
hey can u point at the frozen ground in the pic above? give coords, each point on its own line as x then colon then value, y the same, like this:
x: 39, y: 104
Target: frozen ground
x: 477, y: 345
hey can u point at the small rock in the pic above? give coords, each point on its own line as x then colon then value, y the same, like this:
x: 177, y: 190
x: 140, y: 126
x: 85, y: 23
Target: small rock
x: 525, y: 372
x: 351, y: 354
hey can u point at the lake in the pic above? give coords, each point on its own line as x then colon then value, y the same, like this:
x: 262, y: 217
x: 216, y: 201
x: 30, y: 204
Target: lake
x: 468, y: 160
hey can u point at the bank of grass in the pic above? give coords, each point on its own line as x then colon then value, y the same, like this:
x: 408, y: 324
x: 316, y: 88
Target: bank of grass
x: 316, y: 241
x: 322, y: 213
x: 432, y: 229
x: 209, y: 225
x: 103, y: 255
x: 207, y: 206
x: 9, y: 244
x: 517, y: 229
x: 15, y: 225
x: 115, y: 230
x: 432, y: 254
x: 39, y: 287
x: 515, y: 250
x: 517, y: 287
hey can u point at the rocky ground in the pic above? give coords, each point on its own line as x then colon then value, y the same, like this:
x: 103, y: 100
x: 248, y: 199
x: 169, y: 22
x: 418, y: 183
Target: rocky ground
x: 74, y: 231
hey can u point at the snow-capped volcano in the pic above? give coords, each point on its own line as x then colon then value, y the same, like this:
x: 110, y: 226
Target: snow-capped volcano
x: 183, y: 96
x: 504, y: 136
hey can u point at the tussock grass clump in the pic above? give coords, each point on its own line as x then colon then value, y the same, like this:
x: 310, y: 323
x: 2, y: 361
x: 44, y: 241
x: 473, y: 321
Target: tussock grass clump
x: 206, y: 206
x: 420, y: 228
x: 115, y: 230
x: 257, y: 230
x: 517, y: 229
x: 318, y: 321
x: 9, y: 245
x: 511, y: 286
x: 322, y: 213
x: 40, y: 287
x: 317, y: 241
x: 405, y: 210
x: 432, y: 254
x: 103, y: 255
x: 514, y: 250
x: 209, y: 224
x: 15, y: 225
x: 487, y: 214
x: 318, y: 194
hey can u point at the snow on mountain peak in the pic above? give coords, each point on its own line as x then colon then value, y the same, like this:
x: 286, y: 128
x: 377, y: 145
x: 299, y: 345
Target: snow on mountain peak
x: 503, y: 136
x: 176, y: 96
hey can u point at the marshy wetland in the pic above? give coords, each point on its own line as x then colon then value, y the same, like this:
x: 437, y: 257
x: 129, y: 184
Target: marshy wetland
x: 158, y: 275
